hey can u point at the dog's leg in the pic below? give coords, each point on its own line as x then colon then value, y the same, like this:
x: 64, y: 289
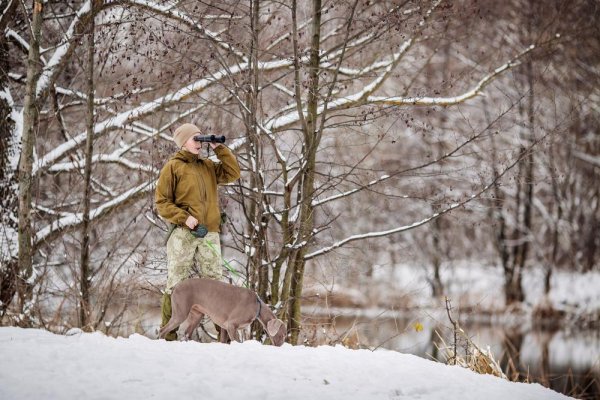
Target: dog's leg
x: 232, y: 331
x: 172, y: 324
x: 193, y: 319
x: 223, y: 336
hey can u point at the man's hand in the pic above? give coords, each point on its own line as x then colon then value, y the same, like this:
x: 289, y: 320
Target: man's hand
x: 191, y: 222
x: 214, y: 145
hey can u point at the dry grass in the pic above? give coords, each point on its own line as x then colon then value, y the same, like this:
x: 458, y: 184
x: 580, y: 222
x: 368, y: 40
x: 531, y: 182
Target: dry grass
x: 474, y: 358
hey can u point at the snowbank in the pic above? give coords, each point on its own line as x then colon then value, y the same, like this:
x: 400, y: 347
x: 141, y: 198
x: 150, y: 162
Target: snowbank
x: 40, y: 365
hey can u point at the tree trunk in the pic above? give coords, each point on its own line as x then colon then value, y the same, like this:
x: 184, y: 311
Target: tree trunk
x: 9, y: 148
x: 559, y: 214
x: 590, y: 242
x: 257, y: 222
x: 288, y: 254
x: 437, y: 286
x: 30, y: 124
x: 249, y: 112
x: 513, y: 282
x: 311, y: 140
x: 85, y: 273
x: 497, y: 212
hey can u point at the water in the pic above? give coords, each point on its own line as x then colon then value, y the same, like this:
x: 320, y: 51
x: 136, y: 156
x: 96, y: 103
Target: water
x: 566, y: 361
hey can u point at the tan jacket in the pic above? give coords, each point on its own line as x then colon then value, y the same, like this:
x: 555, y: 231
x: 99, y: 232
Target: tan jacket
x: 187, y: 186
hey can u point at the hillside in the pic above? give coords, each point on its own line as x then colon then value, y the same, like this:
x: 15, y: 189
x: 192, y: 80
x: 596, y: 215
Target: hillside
x: 41, y: 365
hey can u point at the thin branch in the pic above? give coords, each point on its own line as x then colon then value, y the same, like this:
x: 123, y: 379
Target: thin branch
x: 168, y: 10
x: 63, y: 51
x: 425, y: 220
x: 73, y: 220
x: 364, y: 97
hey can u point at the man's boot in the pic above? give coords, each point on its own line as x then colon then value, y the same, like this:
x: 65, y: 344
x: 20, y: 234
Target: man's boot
x: 166, y: 316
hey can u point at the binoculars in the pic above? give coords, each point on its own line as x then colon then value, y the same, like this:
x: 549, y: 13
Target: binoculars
x: 209, y: 139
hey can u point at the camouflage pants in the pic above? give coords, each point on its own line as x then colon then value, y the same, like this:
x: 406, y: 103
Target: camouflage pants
x: 189, y: 256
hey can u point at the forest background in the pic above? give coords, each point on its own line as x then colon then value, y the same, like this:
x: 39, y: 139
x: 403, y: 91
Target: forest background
x: 373, y: 136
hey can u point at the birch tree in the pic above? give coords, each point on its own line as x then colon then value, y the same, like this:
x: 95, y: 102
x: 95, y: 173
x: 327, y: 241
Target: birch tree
x: 9, y: 120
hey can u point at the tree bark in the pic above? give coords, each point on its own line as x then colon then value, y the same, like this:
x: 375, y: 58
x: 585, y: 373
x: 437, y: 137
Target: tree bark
x: 498, y: 216
x: 257, y: 222
x: 288, y: 254
x: 8, y: 177
x: 513, y: 282
x: 557, y: 204
x: 311, y: 140
x: 437, y: 287
x: 30, y: 124
x: 85, y: 273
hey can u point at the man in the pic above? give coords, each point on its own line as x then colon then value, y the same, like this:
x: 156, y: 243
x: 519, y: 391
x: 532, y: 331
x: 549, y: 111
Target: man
x: 186, y: 196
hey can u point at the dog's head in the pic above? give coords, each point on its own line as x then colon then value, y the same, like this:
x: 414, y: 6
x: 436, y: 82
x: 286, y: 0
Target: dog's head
x: 277, y: 331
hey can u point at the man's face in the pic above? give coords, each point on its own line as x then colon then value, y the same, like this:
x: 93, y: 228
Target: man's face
x: 192, y: 146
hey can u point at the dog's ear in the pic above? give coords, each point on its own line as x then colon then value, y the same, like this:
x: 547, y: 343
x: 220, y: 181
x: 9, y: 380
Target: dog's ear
x: 273, y: 326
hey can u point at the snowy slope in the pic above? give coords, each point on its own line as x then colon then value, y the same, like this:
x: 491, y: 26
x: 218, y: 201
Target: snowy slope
x: 40, y: 365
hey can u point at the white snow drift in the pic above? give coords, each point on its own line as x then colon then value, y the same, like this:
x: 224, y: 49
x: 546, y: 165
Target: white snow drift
x: 40, y: 365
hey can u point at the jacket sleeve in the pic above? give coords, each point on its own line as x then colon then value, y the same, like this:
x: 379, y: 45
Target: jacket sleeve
x: 164, y: 197
x: 228, y: 169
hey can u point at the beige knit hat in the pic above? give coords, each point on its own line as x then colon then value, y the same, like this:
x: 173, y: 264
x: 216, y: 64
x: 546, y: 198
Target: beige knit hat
x: 184, y: 133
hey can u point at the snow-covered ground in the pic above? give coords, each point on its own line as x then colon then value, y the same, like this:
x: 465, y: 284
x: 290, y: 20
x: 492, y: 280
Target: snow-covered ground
x: 40, y: 365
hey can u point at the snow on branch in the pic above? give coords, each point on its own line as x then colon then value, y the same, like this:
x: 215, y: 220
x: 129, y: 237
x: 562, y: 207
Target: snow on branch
x: 137, y: 113
x: 365, y: 96
x: 382, y: 178
x: 289, y: 119
x: 63, y: 50
x: 7, y: 7
x: 386, y: 177
x: 71, y: 220
x: 169, y: 10
x: 74, y: 219
x: 19, y: 40
x: 595, y: 161
x: 101, y: 101
x: 388, y: 232
x: 116, y: 157
x: 424, y: 221
x: 448, y: 101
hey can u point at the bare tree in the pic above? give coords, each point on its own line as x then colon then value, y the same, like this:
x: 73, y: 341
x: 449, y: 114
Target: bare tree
x: 85, y: 276
x: 332, y: 108
x: 30, y: 124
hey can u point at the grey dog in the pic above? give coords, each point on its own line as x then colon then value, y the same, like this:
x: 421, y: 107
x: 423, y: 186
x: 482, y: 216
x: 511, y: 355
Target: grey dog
x: 230, y: 307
